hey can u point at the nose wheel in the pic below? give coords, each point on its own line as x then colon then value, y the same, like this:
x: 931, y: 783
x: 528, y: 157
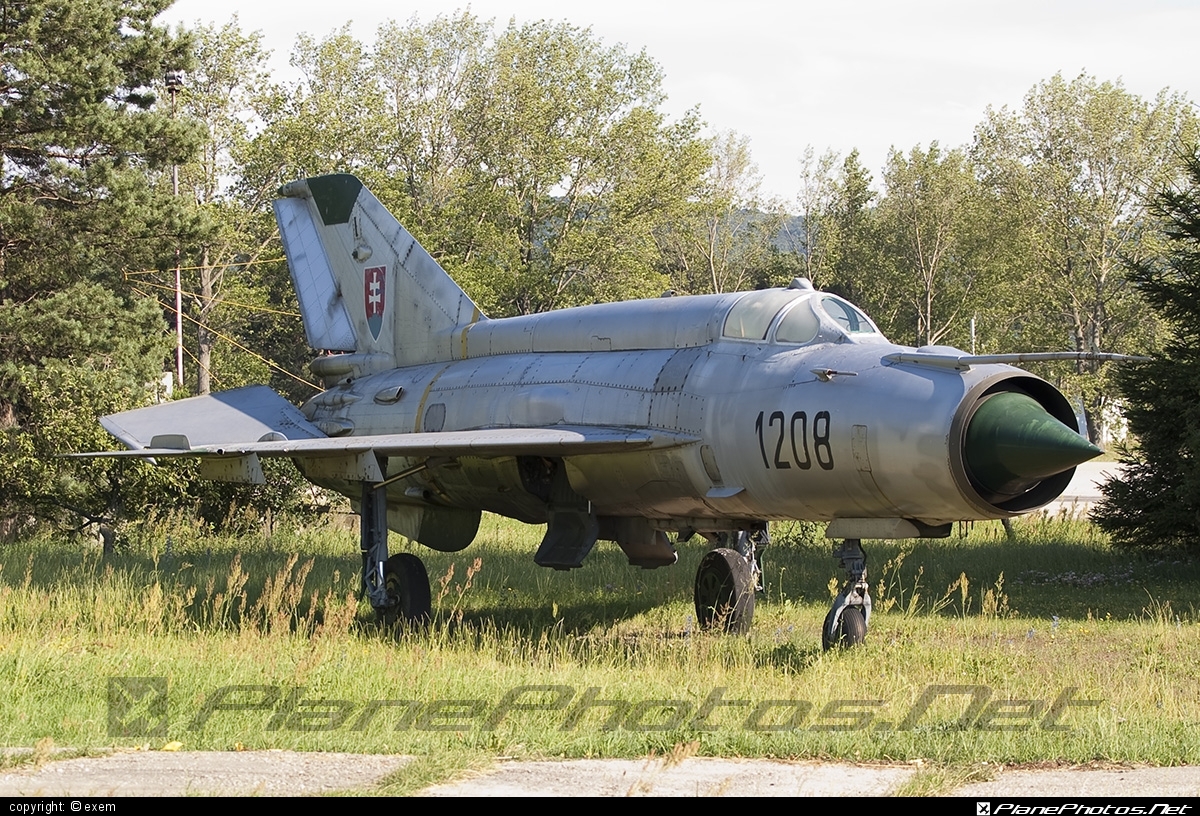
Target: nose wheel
x: 848, y: 630
x: 846, y: 623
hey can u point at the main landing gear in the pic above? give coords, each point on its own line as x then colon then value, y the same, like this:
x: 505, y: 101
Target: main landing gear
x: 397, y: 587
x: 846, y: 623
x: 731, y: 573
x: 407, y: 586
x: 728, y: 578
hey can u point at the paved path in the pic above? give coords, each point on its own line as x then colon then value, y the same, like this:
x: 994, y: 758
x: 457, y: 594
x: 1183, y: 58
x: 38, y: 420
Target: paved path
x: 181, y: 773
x: 285, y: 773
x: 1084, y: 489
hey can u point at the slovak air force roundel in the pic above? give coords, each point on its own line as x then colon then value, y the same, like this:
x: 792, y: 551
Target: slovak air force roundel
x: 373, y: 296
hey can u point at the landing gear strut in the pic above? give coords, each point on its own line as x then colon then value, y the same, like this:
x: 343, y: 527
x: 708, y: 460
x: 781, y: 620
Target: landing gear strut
x: 728, y: 578
x: 750, y: 543
x: 397, y: 587
x: 846, y: 623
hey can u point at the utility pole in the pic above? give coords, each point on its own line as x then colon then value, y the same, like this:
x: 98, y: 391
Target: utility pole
x: 174, y: 83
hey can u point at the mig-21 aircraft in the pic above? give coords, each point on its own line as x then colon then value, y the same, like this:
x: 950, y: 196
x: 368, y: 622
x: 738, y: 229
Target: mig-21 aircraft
x: 706, y: 415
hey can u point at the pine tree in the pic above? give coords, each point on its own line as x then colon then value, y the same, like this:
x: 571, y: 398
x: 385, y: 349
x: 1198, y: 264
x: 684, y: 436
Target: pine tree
x: 1156, y: 500
x: 80, y: 142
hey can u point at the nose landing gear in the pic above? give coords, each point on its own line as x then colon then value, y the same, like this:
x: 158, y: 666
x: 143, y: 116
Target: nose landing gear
x: 846, y: 623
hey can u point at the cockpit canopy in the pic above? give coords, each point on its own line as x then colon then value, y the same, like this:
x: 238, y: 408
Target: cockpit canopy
x: 793, y: 317
x: 797, y: 315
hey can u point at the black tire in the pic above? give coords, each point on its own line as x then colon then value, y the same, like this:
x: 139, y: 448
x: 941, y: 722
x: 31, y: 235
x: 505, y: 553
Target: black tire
x: 407, y: 585
x: 851, y: 631
x: 826, y: 641
x: 724, y: 592
x: 854, y: 626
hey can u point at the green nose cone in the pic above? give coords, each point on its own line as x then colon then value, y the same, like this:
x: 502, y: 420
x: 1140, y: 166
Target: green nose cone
x: 1013, y: 443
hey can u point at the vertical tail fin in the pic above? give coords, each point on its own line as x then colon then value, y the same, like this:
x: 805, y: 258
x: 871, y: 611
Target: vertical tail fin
x: 364, y: 283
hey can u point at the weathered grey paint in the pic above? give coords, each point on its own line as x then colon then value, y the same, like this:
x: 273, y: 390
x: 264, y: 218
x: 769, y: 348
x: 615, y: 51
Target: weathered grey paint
x: 627, y: 418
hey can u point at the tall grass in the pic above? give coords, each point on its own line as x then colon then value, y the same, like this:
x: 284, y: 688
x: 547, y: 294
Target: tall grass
x: 1025, y: 619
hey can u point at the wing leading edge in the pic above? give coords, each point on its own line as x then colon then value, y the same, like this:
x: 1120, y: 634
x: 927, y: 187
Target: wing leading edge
x: 228, y: 432
x: 559, y: 440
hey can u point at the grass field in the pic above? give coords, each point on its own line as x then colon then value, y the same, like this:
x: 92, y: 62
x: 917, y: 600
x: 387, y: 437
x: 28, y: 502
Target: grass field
x: 1053, y: 647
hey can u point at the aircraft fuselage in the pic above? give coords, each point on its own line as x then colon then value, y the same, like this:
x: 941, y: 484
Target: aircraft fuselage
x: 821, y: 430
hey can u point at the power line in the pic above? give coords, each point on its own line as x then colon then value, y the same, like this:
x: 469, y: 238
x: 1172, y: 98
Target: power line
x: 223, y: 301
x: 129, y: 272
x: 211, y: 375
x: 227, y: 338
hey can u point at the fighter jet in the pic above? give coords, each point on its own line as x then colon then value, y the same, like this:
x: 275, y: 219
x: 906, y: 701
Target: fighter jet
x: 708, y: 415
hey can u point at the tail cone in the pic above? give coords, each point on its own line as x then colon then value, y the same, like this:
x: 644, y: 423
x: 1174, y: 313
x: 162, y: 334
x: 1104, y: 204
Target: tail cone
x: 1013, y: 443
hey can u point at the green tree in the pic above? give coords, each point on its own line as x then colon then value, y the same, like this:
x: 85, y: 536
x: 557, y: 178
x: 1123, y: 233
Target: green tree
x: 1075, y: 169
x: 815, y: 204
x: 722, y: 239
x: 938, y: 244
x: 236, y: 296
x: 852, y: 242
x: 573, y: 166
x: 79, y: 136
x: 534, y: 163
x: 71, y: 357
x: 77, y: 133
x: 1155, y: 499
x: 330, y: 120
x: 425, y: 74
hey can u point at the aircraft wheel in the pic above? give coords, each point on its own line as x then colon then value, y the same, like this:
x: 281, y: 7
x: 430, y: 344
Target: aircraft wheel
x: 407, y: 586
x: 725, y: 591
x: 851, y: 631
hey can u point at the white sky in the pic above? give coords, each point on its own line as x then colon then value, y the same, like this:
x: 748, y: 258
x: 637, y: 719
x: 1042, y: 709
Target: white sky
x: 869, y: 74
